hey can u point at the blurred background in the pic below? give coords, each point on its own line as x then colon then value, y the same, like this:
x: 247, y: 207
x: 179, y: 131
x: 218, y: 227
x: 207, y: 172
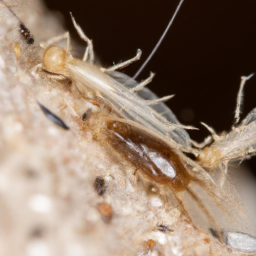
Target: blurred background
x: 210, y: 45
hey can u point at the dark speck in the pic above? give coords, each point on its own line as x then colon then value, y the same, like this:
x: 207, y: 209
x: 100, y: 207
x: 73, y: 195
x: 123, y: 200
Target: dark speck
x: 24, y: 31
x: 37, y: 232
x: 55, y: 119
x: 164, y: 228
x: 214, y: 233
x: 85, y: 115
x: 100, y: 185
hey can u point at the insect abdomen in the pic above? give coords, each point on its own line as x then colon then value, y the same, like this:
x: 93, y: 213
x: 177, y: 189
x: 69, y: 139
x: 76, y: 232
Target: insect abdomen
x: 154, y: 158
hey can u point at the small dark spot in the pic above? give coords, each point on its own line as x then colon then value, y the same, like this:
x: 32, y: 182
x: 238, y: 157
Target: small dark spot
x: 85, y: 115
x: 37, y: 232
x: 52, y: 117
x: 214, y: 233
x: 152, y: 189
x: 31, y: 174
x: 163, y: 228
x: 30, y: 41
x: 25, y: 32
x: 191, y: 156
x: 100, y: 185
x: 105, y: 211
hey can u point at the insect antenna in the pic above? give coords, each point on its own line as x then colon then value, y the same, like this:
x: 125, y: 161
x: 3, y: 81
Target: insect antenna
x: 159, y: 41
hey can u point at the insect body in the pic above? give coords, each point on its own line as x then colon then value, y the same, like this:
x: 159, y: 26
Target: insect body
x: 97, y: 86
x: 152, y: 143
x: 161, y: 163
x: 158, y: 161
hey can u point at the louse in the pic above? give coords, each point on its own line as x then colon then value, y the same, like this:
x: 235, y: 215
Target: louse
x: 140, y: 129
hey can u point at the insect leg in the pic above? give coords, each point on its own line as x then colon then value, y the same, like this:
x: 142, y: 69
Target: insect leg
x: 240, y: 97
x: 89, y: 54
x: 56, y: 39
x: 157, y: 101
x: 215, y: 136
x: 144, y: 83
x: 206, y: 142
x: 125, y: 63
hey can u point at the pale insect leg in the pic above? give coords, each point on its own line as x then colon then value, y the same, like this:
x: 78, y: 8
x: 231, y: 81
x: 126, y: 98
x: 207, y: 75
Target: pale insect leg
x: 89, y: 54
x: 206, y: 142
x: 157, y: 101
x: 144, y: 83
x: 125, y: 63
x: 213, y: 133
x: 240, y: 97
x: 89, y: 50
x: 56, y: 39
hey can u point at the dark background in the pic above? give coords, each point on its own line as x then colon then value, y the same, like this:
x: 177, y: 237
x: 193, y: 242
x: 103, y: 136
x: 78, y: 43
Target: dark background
x: 209, y: 47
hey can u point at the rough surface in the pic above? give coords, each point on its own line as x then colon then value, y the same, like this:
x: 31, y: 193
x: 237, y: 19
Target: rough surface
x: 49, y: 202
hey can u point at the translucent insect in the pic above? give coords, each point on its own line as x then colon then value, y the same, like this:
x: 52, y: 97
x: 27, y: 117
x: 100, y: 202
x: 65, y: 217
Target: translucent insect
x: 152, y: 142
x: 112, y: 91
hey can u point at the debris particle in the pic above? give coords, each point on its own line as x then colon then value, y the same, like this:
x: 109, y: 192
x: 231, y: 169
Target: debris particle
x: 106, y: 211
x: 100, y: 185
